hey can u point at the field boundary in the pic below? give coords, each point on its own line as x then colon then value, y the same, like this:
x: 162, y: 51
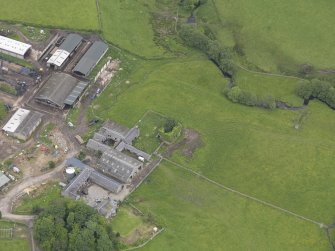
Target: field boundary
x: 321, y: 225
x: 145, y: 243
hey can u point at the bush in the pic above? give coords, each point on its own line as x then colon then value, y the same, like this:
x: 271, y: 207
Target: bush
x: 172, y: 135
x: 322, y: 90
x: 169, y: 125
x: 7, y: 88
x: 214, y: 49
x: 51, y: 164
x: 236, y: 95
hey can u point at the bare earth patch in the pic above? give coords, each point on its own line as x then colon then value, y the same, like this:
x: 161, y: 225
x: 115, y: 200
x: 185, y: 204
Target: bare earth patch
x: 190, y: 142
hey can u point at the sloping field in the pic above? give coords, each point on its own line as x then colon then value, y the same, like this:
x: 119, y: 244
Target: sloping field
x: 255, y: 151
x: 128, y: 25
x: 281, y: 33
x: 200, y: 216
x: 74, y: 14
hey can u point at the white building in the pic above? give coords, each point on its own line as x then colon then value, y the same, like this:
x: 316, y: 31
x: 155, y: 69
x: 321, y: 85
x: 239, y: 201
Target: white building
x: 14, y: 48
x: 23, y: 123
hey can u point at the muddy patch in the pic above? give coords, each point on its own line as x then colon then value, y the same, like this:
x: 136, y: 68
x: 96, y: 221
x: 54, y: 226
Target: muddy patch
x: 189, y: 143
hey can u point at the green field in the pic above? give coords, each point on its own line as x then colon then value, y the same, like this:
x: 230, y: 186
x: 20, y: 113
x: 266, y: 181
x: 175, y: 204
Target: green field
x: 74, y: 14
x: 277, y: 35
x: 18, y: 241
x: 253, y: 150
x: 39, y: 198
x: 200, y: 216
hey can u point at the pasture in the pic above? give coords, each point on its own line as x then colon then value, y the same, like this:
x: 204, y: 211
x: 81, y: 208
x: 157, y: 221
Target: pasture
x: 74, y: 14
x: 278, y: 35
x: 128, y: 25
x: 253, y: 150
x: 200, y: 216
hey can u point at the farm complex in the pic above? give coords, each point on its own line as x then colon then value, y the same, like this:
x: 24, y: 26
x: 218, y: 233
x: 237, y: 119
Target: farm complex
x: 167, y: 125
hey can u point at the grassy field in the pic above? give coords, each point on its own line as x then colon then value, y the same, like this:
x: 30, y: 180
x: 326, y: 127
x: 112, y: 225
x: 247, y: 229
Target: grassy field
x: 128, y: 25
x: 126, y: 221
x: 75, y: 14
x: 200, y: 216
x: 279, y: 34
x: 253, y: 150
x: 279, y: 87
x: 18, y: 241
x: 39, y: 198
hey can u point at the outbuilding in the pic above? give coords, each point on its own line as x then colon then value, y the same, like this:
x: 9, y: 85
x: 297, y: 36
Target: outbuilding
x: 23, y: 123
x: 13, y: 47
x: 90, y: 59
x: 61, y: 89
x: 65, y: 51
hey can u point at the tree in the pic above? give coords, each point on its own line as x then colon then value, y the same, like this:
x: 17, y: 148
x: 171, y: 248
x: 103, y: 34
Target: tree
x: 0, y: 215
x: 169, y: 125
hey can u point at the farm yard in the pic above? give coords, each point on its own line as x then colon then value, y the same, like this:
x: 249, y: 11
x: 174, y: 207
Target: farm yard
x: 258, y: 152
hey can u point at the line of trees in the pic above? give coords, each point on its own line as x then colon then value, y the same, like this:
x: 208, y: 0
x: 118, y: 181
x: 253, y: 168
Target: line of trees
x: 215, y: 51
x: 237, y: 95
x: 322, y: 90
x: 73, y: 226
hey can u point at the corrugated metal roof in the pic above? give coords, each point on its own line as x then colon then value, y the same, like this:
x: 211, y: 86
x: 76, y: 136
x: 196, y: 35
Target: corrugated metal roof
x: 91, y: 58
x: 58, y: 58
x: 57, y: 89
x: 3, y: 179
x: 71, y: 42
x: 14, y: 46
x: 76, y: 92
x: 16, y: 120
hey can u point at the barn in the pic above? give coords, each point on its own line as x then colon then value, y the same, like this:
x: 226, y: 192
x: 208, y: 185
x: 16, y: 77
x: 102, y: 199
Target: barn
x: 14, y: 48
x: 23, y: 123
x: 90, y: 59
x: 61, y: 90
x: 65, y: 51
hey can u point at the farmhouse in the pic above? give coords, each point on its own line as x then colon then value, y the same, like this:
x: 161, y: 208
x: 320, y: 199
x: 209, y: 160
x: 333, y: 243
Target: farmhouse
x: 61, y: 90
x: 3, y: 180
x: 91, y: 59
x: 65, y: 51
x: 23, y: 123
x: 14, y: 48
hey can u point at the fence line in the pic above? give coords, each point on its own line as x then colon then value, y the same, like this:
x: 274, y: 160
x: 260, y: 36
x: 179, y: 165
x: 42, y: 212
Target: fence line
x: 321, y: 225
x: 145, y: 243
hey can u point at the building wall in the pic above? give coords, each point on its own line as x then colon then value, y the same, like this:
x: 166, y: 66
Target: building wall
x: 11, y: 54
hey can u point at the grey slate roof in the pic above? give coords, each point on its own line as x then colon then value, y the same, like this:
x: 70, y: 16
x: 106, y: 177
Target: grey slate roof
x: 71, y: 42
x: 86, y: 173
x: 97, y: 146
x: 58, y: 89
x: 119, y: 165
x: 105, y: 182
x: 91, y: 58
x: 3, y: 179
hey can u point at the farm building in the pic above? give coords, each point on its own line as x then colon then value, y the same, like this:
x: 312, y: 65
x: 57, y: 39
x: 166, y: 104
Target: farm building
x: 65, y: 51
x: 119, y: 165
x: 122, y: 136
x: 61, y: 90
x: 23, y: 123
x: 3, y: 180
x: 91, y: 59
x: 89, y: 174
x: 14, y: 48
